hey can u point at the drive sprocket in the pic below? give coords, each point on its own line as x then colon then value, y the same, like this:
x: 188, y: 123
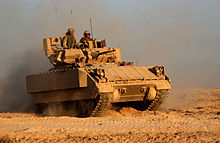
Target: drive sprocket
x: 158, y: 100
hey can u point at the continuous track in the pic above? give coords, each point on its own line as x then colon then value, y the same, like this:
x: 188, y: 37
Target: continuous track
x: 159, y: 99
x: 103, y: 103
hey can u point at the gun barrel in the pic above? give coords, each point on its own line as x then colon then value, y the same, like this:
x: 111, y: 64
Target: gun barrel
x: 105, y: 52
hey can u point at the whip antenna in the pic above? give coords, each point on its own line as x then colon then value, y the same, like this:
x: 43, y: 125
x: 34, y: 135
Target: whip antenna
x: 91, y: 27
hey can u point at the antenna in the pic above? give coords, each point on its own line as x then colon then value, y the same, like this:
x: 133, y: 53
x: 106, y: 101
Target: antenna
x: 91, y: 27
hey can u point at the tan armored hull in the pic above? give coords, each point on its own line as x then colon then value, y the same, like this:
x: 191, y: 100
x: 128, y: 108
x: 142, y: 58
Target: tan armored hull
x: 94, y: 78
x: 119, y: 84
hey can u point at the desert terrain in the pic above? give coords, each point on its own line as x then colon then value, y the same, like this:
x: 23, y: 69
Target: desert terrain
x: 188, y: 115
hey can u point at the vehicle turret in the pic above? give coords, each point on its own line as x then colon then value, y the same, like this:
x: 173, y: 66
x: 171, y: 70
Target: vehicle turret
x: 97, y: 52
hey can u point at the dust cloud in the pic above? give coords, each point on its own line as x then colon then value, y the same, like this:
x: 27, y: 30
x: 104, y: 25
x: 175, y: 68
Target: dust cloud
x: 13, y: 96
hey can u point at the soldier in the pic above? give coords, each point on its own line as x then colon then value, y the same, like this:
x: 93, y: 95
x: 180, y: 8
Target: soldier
x: 86, y: 38
x: 69, y: 39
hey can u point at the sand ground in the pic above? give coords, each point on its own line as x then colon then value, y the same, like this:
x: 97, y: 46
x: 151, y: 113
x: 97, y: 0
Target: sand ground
x: 188, y: 115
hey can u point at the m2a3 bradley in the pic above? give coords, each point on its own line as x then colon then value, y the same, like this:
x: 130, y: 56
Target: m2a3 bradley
x: 94, y: 79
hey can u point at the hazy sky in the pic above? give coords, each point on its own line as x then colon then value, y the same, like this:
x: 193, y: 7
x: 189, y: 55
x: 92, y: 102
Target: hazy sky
x: 182, y: 35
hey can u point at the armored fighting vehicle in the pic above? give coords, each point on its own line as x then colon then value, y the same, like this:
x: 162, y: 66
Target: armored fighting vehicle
x: 94, y: 79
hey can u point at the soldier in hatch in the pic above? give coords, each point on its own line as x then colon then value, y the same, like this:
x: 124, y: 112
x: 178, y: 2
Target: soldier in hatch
x: 69, y: 39
x: 85, y: 39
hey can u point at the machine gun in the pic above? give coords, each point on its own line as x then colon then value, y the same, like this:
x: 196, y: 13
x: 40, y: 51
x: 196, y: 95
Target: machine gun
x: 98, y: 53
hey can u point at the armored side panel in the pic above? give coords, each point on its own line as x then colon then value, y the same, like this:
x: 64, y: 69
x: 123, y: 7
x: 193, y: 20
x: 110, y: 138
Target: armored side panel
x: 59, y: 80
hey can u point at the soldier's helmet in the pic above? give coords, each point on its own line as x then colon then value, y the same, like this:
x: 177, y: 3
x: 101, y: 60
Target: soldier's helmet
x: 70, y: 30
x: 86, y: 33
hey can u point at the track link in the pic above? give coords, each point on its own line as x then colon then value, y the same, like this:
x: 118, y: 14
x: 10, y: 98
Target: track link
x: 102, y: 104
x: 159, y: 99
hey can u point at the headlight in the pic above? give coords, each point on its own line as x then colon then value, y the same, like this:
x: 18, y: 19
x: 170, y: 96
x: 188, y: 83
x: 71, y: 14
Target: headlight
x: 100, y: 73
x: 158, y: 70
